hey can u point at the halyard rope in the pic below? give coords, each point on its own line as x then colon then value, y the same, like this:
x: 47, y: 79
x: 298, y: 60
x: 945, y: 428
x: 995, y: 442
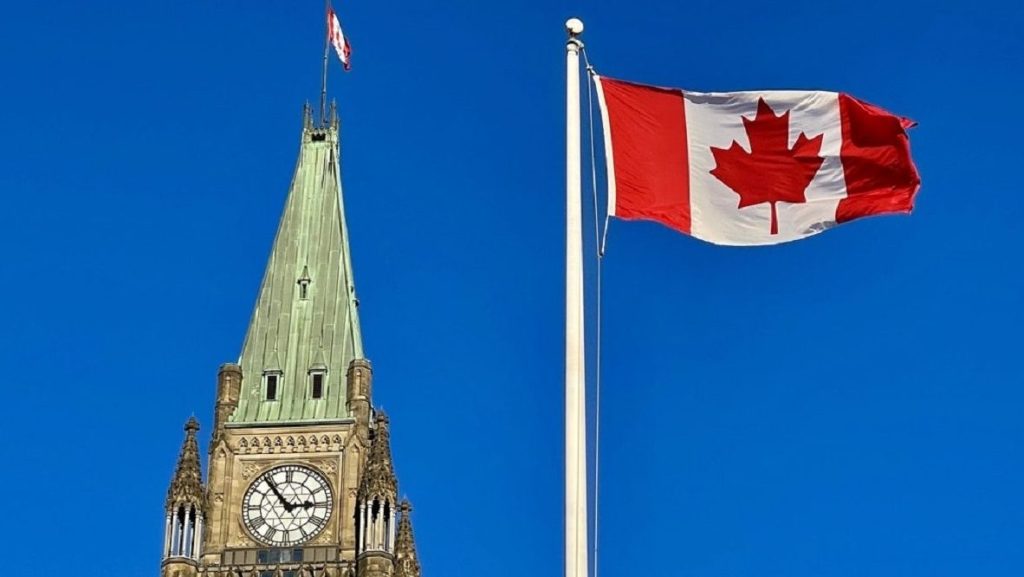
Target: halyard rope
x: 599, y: 249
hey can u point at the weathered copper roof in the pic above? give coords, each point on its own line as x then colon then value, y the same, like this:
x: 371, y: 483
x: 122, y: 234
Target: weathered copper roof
x: 306, y: 316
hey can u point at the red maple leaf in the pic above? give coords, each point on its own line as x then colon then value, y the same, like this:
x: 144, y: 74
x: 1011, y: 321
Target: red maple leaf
x: 771, y: 171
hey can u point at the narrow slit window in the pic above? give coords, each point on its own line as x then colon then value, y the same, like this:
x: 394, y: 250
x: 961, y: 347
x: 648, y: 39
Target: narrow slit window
x: 272, y: 387
x: 303, y: 282
x: 317, y: 391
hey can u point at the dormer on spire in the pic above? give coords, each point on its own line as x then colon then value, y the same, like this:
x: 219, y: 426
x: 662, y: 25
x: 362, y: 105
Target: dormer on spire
x: 186, y: 503
x: 272, y: 375
x: 407, y: 564
x: 303, y: 283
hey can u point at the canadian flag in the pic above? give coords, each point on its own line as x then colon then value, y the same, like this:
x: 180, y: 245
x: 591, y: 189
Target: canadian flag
x: 751, y: 168
x: 337, y: 38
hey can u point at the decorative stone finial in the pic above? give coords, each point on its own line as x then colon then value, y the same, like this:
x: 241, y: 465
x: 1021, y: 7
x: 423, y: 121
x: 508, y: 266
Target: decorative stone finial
x: 407, y: 563
x: 379, y: 475
x: 187, y: 483
x: 307, y: 116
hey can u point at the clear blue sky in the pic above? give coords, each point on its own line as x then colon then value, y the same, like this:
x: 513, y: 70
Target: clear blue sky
x: 843, y: 406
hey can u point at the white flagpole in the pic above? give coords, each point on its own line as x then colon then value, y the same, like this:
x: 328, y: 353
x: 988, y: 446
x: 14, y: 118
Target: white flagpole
x: 575, y: 370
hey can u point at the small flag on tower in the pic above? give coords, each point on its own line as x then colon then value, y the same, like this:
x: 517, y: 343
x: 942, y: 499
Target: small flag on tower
x: 338, y: 39
x: 752, y: 168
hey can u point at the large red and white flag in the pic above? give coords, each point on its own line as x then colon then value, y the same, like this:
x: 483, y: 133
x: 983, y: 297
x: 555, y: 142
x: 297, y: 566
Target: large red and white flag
x: 338, y: 39
x: 750, y: 168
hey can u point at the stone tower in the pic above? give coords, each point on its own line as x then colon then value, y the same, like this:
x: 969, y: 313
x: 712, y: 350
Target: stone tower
x: 300, y: 476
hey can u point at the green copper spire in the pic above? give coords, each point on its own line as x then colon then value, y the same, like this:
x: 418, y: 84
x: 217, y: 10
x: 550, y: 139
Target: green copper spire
x: 305, y: 327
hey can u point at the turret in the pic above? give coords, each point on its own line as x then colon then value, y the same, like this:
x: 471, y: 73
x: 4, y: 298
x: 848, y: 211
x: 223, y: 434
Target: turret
x: 359, y: 386
x: 376, y: 507
x: 407, y: 564
x: 185, y: 508
x: 229, y: 387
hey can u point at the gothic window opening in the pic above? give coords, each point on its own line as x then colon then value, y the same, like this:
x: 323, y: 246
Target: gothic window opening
x: 190, y: 534
x: 387, y: 526
x: 375, y: 524
x: 179, y: 537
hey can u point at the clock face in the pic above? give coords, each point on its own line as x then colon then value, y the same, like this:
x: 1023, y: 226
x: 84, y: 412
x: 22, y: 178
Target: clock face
x: 287, y: 505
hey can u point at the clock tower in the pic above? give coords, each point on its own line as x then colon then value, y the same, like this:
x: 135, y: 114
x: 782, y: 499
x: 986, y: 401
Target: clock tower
x: 300, y: 480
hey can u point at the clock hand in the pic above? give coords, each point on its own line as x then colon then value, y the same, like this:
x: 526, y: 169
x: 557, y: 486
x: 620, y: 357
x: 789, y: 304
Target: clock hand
x: 306, y: 505
x: 287, y: 506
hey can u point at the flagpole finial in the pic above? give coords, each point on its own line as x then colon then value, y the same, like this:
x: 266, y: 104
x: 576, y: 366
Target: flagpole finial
x: 574, y: 26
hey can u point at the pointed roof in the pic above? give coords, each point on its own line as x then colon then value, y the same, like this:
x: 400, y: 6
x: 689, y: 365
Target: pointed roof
x: 307, y: 299
x: 379, y: 474
x: 187, y: 483
x: 407, y: 564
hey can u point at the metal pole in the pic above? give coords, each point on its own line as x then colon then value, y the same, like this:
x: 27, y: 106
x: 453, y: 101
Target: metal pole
x: 327, y: 46
x: 575, y: 371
